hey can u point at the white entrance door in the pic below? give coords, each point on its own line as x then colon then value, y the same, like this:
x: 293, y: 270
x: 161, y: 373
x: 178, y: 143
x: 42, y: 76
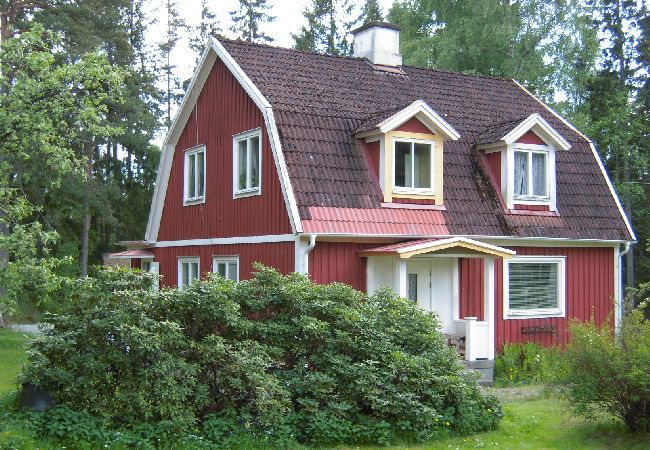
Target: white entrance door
x: 429, y: 283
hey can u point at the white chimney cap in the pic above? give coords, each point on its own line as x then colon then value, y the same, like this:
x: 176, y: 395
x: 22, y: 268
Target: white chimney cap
x: 379, y: 43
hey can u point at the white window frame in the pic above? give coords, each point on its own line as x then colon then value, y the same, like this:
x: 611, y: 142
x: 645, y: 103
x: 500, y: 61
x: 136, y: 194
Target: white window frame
x: 251, y: 191
x: 187, y: 260
x: 532, y: 198
x: 410, y: 190
x: 508, y: 176
x: 216, y: 260
x: 539, y: 313
x: 186, y: 173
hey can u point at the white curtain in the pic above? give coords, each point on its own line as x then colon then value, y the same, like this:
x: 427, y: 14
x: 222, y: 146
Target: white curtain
x: 521, y: 173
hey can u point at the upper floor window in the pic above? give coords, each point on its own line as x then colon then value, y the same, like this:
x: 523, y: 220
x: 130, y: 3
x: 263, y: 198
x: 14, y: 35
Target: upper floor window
x: 531, y: 175
x: 226, y: 266
x: 194, y: 176
x: 413, y: 165
x: 188, y: 271
x: 247, y: 162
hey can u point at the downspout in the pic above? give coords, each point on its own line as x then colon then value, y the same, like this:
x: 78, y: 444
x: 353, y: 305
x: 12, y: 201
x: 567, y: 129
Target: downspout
x: 621, y: 292
x: 310, y: 247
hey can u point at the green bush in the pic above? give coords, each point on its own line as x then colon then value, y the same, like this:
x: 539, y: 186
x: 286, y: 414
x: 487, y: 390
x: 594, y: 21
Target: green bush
x: 526, y: 363
x: 277, y: 358
x: 608, y: 373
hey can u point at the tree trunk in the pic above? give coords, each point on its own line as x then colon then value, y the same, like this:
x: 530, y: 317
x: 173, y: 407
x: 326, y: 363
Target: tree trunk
x: 85, y: 232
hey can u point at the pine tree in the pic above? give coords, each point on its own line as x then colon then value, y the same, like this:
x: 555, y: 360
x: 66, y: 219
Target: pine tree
x: 371, y: 12
x: 248, y: 18
x: 326, y: 30
x: 207, y: 27
x: 174, y: 24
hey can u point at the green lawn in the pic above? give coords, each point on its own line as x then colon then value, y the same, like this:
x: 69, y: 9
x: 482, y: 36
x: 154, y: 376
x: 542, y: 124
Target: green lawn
x: 533, y: 420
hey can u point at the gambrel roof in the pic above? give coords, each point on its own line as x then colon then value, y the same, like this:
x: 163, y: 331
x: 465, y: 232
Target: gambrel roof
x: 318, y: 104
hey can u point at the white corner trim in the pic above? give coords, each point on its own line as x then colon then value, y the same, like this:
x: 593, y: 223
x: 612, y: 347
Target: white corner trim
x: 546, y: 130
x: 611, y: 190
x: 419, y: 107
x: 269, y: 238
x: 213, y: 50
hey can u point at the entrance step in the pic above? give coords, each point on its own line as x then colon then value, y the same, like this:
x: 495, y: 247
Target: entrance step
x: 485, y: 369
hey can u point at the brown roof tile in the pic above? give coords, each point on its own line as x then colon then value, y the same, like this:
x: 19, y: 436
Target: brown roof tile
x: 320, y: 102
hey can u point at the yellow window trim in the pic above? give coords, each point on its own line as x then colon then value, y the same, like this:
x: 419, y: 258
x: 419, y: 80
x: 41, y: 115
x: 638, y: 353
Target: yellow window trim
x: 389, y: 164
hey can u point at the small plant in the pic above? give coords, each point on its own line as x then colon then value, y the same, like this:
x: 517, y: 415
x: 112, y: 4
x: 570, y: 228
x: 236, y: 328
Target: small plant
x: 525, y: 364
x: 609, y: 373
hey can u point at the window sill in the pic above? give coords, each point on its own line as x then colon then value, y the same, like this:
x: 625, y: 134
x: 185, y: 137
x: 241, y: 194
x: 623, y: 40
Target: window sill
x: 247, y: 193
x: 193, y: 201
x: 535, y: 314
x: 532, y: 200
x: 413, y: 192
x: 413, y: 206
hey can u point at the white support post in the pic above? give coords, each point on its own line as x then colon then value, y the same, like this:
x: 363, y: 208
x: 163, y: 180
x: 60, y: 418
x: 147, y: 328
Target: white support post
x: 370, y: 275
x: 154, y: 268
x: 470, y: 338
x: 455, y: 288
x: 400, y: 278
x: 489, y: 304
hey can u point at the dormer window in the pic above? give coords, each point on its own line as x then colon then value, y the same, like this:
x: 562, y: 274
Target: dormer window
x: 405, y: 148
x: 521, y: 158
x: 414, y: 170
x: 531, y: 175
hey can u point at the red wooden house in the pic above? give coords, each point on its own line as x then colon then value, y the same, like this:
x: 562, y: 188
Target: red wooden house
x: 463, y: 193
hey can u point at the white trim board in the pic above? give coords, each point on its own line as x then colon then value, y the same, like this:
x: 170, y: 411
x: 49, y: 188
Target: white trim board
x: 215, y: 50
x: 270, y: 238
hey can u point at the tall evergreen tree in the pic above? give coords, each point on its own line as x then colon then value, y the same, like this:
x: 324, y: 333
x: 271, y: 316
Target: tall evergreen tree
x: 117, y: 194
x: 208, y: 27
x: 174, y: 24
x: 371, y: 12
x: 248, y: 18
x: 327, y: 28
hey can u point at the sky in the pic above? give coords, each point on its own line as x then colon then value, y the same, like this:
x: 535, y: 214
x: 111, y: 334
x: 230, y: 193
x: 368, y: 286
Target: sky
x: 289, y: 19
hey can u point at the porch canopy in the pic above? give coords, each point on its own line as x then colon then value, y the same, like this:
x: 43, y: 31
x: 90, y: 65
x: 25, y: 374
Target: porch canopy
x: 132, y: 254
x: 426, y: 271
x: 447, y: 246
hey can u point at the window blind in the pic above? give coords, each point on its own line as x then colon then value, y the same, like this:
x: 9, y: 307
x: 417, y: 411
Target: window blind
x: 533, y: 285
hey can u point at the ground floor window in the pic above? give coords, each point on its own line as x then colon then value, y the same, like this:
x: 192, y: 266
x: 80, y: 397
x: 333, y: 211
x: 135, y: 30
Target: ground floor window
x: 534, y: 287
x: 226, y: 266
x: 188, y: 270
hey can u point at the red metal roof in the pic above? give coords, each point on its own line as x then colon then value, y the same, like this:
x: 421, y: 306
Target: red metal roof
x: 132, y: 254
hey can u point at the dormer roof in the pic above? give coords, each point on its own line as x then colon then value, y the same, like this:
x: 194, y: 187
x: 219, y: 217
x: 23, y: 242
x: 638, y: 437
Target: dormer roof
x: 511, y: 131
x: 389, y: 120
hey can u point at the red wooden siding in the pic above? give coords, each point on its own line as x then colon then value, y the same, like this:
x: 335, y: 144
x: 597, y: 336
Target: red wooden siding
x: 494, y: 164
x: 278, y: 255
x: 530, y: 138
x: 370, y: 152
x: 339, y: 261
x: 136, y: 263
x: 531, y: 207
x: 222, y: 110
x: 413, y: 125
x: 589, y: 291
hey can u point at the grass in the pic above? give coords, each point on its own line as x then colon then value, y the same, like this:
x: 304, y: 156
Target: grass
x: 534, y: 419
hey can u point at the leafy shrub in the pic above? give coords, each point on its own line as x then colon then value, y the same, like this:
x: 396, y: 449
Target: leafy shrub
x: 608, y: 373
x: 277, y: 358
x: 526, y: 363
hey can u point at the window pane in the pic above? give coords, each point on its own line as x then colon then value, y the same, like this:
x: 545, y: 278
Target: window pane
x: 232, y: 271
x: 539, y: 174
x: 201, y: 174
x: 422, y: 166
x: 413, y: 287
x: 221, y: 269
x: 191, y: 176
x: 185, y: 274
x: 255, y: 163
x: 242, y: 164
x: 521, y: 173
x: 533, y: 285
x: 195, y: 271
x: 403, y: 175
